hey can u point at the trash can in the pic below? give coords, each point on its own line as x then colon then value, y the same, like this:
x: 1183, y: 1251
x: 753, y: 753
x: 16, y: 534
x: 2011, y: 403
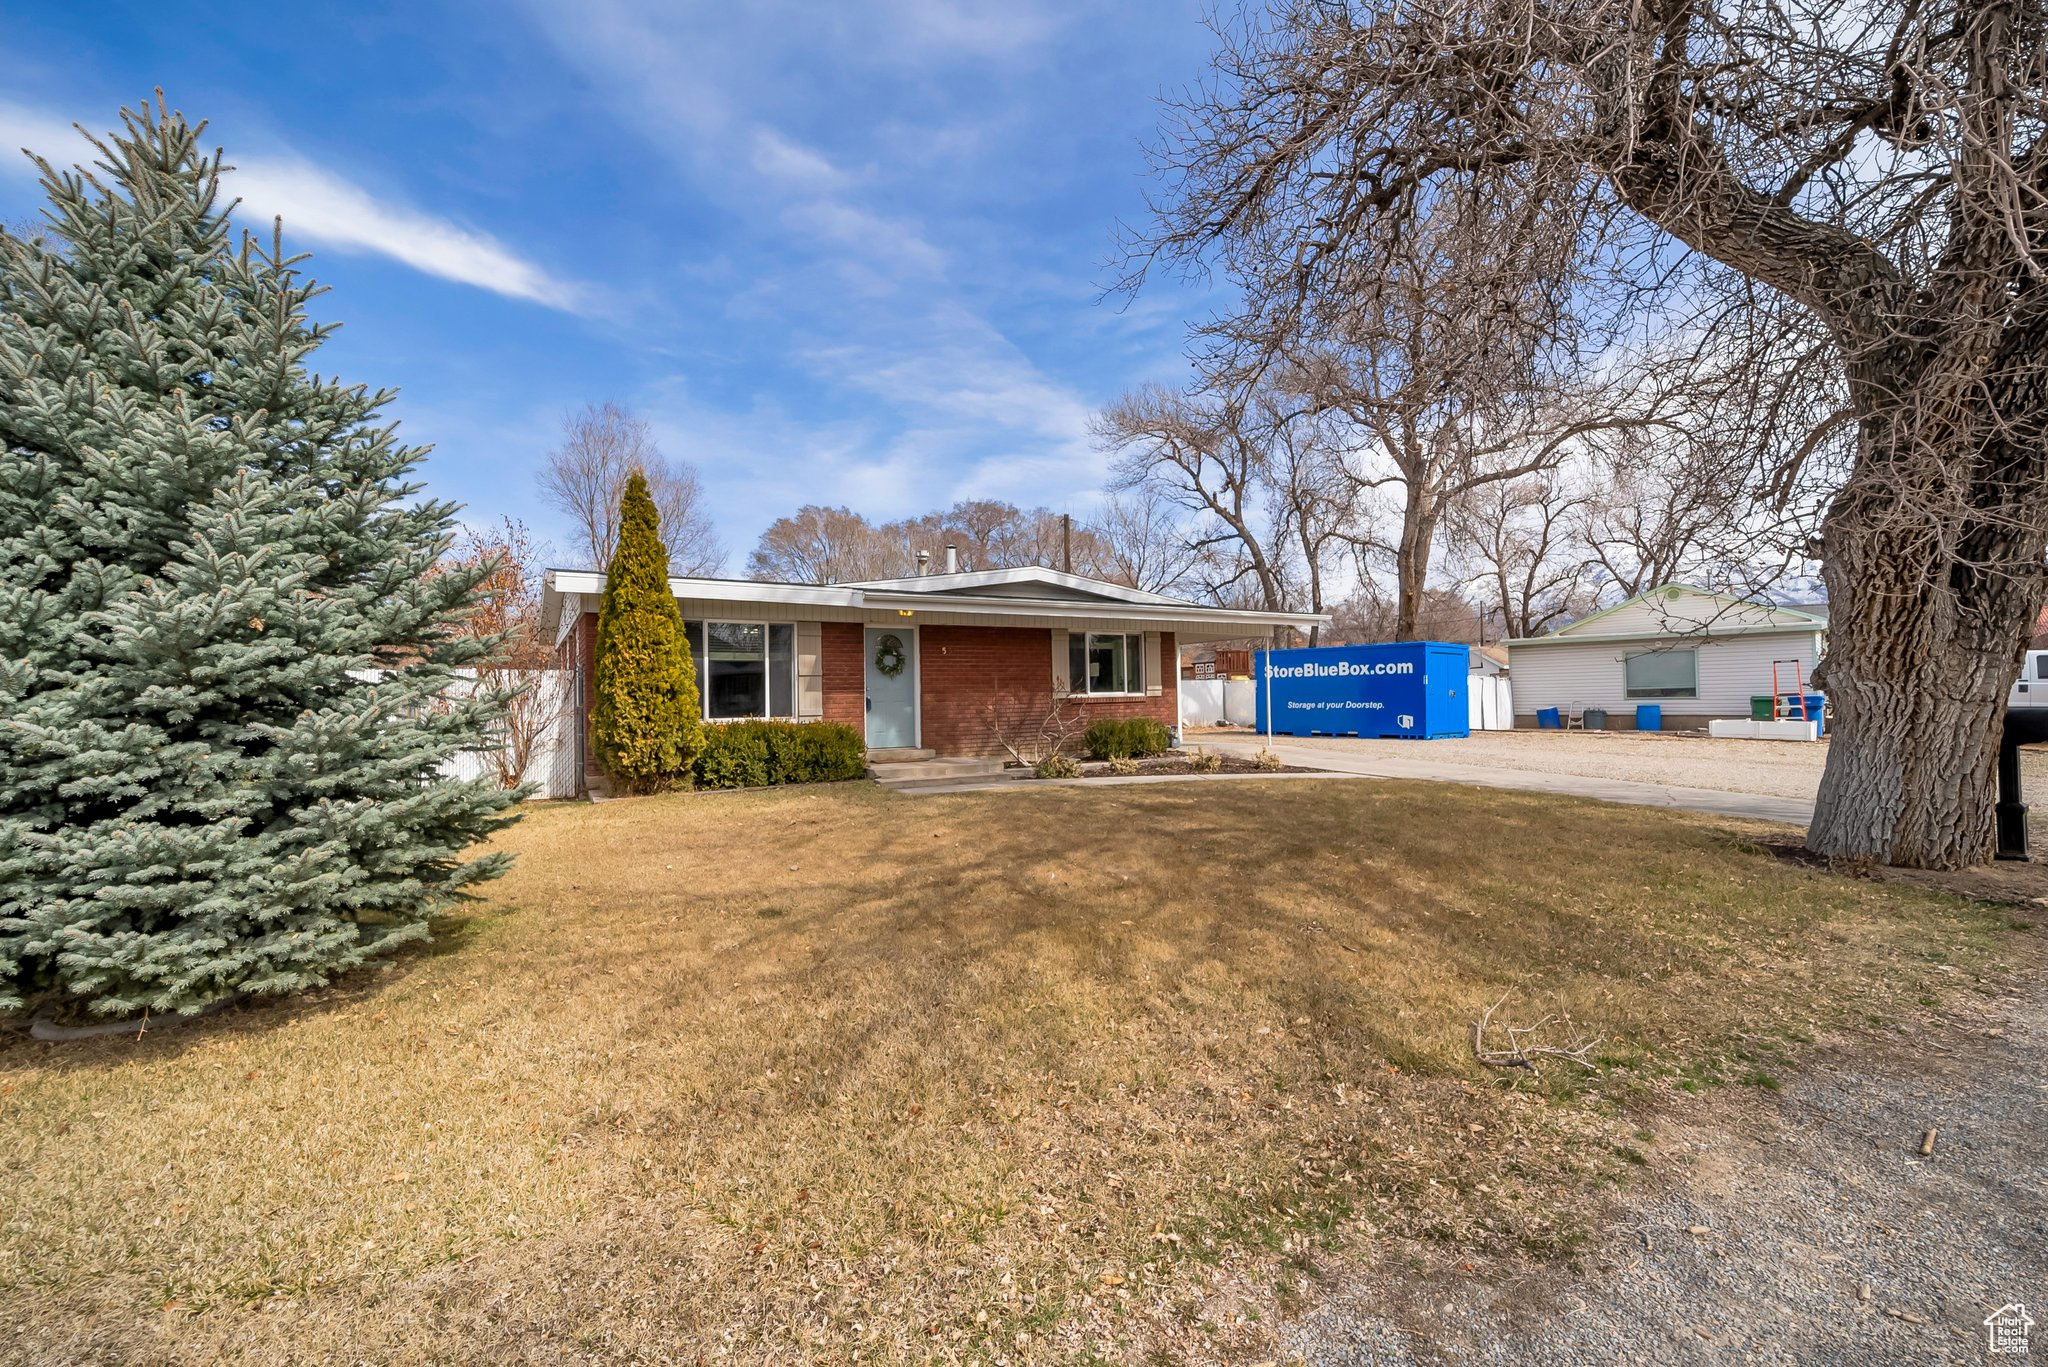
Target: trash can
x: 1595, y: 718
x: 1760, y: 708
x: 1649, y: 716
x: 1549, y: 719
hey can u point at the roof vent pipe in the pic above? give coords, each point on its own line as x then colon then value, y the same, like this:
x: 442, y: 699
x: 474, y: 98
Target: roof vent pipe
x: 924, y: 560
x: 952, y: 558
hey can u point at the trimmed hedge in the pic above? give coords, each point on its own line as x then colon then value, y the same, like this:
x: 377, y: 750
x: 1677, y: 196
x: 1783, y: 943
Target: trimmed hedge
x: 1111, y: 738
x: 761, y: 754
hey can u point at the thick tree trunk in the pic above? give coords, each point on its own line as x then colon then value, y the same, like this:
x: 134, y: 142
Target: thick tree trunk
x: 1916, y: 690
x: 1926, y: 631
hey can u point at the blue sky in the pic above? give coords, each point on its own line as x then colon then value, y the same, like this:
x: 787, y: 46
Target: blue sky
x: 844, y: 253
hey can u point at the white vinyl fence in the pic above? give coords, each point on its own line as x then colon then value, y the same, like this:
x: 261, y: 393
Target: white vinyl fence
x: 551, y: 752
x: 1205, y: 702
x: 548, y: 716
x: 1490, y: 702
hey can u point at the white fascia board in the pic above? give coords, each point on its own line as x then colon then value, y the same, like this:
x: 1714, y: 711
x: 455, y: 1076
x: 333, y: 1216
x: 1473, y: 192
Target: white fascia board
x: 943, y: 584
x: 591, y: 582
x: 1672, y: 637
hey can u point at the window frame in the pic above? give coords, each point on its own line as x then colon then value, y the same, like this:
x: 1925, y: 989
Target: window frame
x: 1134, y: 662
x: 1634, y: 694
x: 698, y: 629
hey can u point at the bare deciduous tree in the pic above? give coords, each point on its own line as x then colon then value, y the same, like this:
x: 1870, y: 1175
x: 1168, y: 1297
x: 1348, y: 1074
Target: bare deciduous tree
x: 508, y: 610
x: 1211, y: 455
x: 818, y: 545
x: 1138, y: 538
x: 1033, y: 727
x: 1518, y: 540
x: 1870, y: 178
x: 1444, y: 371
x: 585, y: 476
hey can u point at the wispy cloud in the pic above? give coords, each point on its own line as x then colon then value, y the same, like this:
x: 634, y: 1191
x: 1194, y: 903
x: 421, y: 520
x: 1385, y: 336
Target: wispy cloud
x: 799, y: 168
x: 324, y: 208
x: 718, y: 125
x: 930, y: 399
x: 327, y: 209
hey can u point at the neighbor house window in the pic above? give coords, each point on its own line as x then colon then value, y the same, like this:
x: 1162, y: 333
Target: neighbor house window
x: 744, y: 669
x: 1662, y: 673
x: 1106, y: 662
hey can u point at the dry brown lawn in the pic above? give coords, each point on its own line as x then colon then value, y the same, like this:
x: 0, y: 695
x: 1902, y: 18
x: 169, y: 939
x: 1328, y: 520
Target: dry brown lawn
x: 838, y: 1075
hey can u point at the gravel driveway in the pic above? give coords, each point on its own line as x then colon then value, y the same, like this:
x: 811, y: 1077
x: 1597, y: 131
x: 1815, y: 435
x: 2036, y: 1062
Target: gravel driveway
x: 1798, y: 1228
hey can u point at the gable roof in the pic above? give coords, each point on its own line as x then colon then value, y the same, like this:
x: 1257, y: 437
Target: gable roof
x: 1653, y: 614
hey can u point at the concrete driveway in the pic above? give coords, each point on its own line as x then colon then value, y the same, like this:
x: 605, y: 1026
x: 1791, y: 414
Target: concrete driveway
x: 1763, y: 780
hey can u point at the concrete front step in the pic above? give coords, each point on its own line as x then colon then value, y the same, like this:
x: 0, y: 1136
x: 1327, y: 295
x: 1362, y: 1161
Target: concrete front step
x: 900, y: 755
x: 905, y: 773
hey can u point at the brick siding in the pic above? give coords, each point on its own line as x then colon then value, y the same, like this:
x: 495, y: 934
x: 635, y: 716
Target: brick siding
x: 844, y: 646
x: 964, y: 667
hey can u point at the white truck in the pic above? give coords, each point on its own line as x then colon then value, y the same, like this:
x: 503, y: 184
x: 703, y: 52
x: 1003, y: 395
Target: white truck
x: 2026, y: 723
x: 2030, y: 690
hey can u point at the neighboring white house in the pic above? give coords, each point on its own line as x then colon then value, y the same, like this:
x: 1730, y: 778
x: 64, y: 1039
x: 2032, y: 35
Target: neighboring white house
x: 1696, y: 654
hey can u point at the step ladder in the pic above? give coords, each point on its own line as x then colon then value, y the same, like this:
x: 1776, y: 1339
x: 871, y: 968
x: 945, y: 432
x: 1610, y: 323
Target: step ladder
x: 1784, y: 706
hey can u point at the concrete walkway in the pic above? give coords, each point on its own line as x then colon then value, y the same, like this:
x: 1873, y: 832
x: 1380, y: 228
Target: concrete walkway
x: 1790, y: 811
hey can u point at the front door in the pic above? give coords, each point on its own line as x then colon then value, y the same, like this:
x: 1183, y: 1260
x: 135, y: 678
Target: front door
x: 892, y: 688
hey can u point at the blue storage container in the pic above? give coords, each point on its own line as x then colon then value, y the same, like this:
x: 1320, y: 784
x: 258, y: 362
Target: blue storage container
x: 1549, y: 719
x: 1411, y: 689
x: 1649, y: 716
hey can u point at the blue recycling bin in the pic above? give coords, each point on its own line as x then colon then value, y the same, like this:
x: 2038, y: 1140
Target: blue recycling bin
x: 1549, y: 719
x: 1649, y: 716
x: 1413, y: 690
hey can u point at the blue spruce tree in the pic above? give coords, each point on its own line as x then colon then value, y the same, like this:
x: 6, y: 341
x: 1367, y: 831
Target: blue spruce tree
x: 225, y: 639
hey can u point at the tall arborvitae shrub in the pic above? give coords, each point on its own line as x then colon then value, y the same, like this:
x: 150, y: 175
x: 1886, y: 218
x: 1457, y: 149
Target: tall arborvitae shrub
x: 223, y: 645
x: 645, y: 727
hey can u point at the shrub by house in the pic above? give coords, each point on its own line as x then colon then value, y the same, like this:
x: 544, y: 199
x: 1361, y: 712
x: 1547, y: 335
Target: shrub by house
x: 1126, y: 738
x: 756, y: 754
x: 645, y: 729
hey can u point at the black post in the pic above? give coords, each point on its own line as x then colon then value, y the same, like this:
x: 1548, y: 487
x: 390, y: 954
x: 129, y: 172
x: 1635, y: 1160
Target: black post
x: 1067, y: 542
x: 2012, y: 809
x: 2023, y: 726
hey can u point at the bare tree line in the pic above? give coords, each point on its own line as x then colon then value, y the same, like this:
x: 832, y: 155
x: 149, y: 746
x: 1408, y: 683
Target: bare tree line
x: 1322, y: 490
x: 1136, y: 539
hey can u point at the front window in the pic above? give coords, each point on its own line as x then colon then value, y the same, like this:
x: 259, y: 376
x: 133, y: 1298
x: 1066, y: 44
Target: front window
x: 1106, y: 662
x: 744, y: 669
x: 1662, y: 673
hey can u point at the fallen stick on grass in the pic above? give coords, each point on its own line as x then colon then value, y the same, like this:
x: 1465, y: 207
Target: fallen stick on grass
x: 1520, y: 1054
